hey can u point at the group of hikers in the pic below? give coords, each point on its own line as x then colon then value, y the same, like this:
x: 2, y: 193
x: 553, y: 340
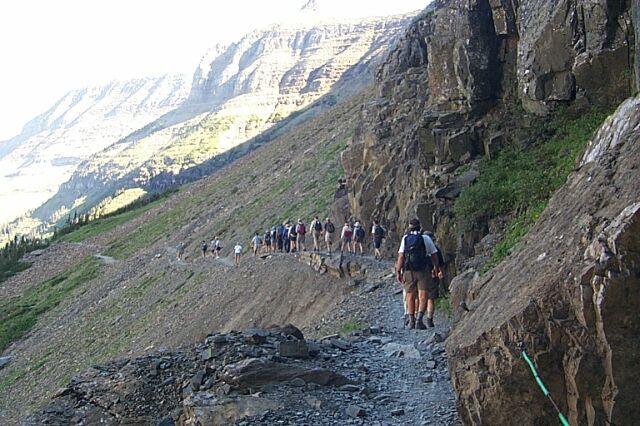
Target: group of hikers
x: 419, y: 266
x: 291, y: 237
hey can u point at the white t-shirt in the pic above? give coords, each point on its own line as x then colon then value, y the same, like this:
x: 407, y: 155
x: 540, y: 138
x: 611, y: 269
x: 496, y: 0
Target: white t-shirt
x: 216, y: 244
x: 256, y: 241
x: 428, y: 244
x: 237, y: 249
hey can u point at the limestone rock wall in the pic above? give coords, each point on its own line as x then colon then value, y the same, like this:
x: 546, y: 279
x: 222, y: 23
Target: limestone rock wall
x: 571, y: 293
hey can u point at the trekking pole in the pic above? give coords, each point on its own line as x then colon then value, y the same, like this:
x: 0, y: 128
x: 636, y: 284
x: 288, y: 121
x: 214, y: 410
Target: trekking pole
x: 543, y: 388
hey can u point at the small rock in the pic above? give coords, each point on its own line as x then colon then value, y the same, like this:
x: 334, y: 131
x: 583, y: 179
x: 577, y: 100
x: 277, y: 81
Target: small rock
x: 313, y: 402
x: 293, y: 349
x: 340, y: 344
x: 226, y: 388
x: 427, y: 378
x: 297, y: 382
x: 355, y: 411
x: 374, y: 329
x: 196, y: 380
x: 4, y: 361
x: 292, y: 330
x: 430, y: 364
x: 255, y: 336
x: 207, y: 354
x: 349, y: 388
x: 167, y: 421
x: 217, y: 340
x: 398, y: 412
x: 401, y: 351
x: 329, y: 337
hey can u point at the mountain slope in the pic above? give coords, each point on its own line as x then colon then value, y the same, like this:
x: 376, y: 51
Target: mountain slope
x: 243, y: 90
x: 83, y: 122
x: 124, y: 306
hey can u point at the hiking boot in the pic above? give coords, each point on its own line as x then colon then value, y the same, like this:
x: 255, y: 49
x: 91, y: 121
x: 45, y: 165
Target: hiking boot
x: 412, y: 322
x: 420, y: 325
x: 430, y: 322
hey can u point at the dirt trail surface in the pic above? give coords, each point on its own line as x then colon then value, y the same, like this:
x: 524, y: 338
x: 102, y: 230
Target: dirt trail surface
x: 378, y: 374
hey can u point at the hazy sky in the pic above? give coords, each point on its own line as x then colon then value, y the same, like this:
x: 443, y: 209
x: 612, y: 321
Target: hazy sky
x: 49, y: 47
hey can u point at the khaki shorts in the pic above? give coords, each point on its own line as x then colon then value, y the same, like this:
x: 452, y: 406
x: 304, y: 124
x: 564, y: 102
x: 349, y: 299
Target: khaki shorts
x: 420, y: 280
x: 328, y: 237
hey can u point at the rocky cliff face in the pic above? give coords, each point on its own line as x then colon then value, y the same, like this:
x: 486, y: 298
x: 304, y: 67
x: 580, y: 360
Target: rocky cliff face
x: 571, y: 293
x: 83, y: 122
x: 449, y: 93
x: 238, y: 92
x: 447, y: 90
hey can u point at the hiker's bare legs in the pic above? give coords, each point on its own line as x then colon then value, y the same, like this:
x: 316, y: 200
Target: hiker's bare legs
x: 430, y: 308
x: 410, y: 299
x: 423, y: 301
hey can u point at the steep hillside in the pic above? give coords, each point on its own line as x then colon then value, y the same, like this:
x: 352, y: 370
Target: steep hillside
x: 136, y: 295
x: 237, y: 93
x: 82, y: 123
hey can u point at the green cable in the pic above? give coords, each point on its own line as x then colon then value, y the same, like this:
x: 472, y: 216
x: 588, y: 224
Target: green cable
x: 544, y: 389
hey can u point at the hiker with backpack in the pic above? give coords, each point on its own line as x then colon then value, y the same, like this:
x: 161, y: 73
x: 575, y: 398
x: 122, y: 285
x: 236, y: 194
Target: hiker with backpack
x: 345, y: 237
x: 274, y: 239
x: 412, y: 272
x: 285, y: 237
x: 256, y: 243
x: 216, y: 247
x: 301, y: 229
x: 267, y: 241
x: 280, y: 230
x: 293, y: 237
x: 329, y: 230
x: 203, y: 248
x: 180, y: 250
x: 378, y: 233
x: 358, y: 237
x: 316, y: 227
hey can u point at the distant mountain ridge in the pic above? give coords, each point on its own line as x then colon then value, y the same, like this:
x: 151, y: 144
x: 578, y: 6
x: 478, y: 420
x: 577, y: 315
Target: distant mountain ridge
x: 81, y: 123
x: 238, y: 91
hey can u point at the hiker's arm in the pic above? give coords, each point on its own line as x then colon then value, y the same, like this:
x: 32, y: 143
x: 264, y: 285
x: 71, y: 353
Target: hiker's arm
x: 436, y: 264
x: 399, y: 265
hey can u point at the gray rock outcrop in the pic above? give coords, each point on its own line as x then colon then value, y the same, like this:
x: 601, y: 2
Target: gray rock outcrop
x: 453, y: 88
x: 570, y: 292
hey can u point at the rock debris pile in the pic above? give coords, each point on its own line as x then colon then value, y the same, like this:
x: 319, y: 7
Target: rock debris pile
x: 266, y: 376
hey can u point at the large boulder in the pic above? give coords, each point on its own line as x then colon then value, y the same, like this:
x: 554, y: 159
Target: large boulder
x: 570, y: 292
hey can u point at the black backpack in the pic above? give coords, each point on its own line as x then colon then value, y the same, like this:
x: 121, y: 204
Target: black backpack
x: 415, y: 253
x: 317, y: 226
x: 360, y: 232
x: 378, y: 231
x: 330, y: 228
